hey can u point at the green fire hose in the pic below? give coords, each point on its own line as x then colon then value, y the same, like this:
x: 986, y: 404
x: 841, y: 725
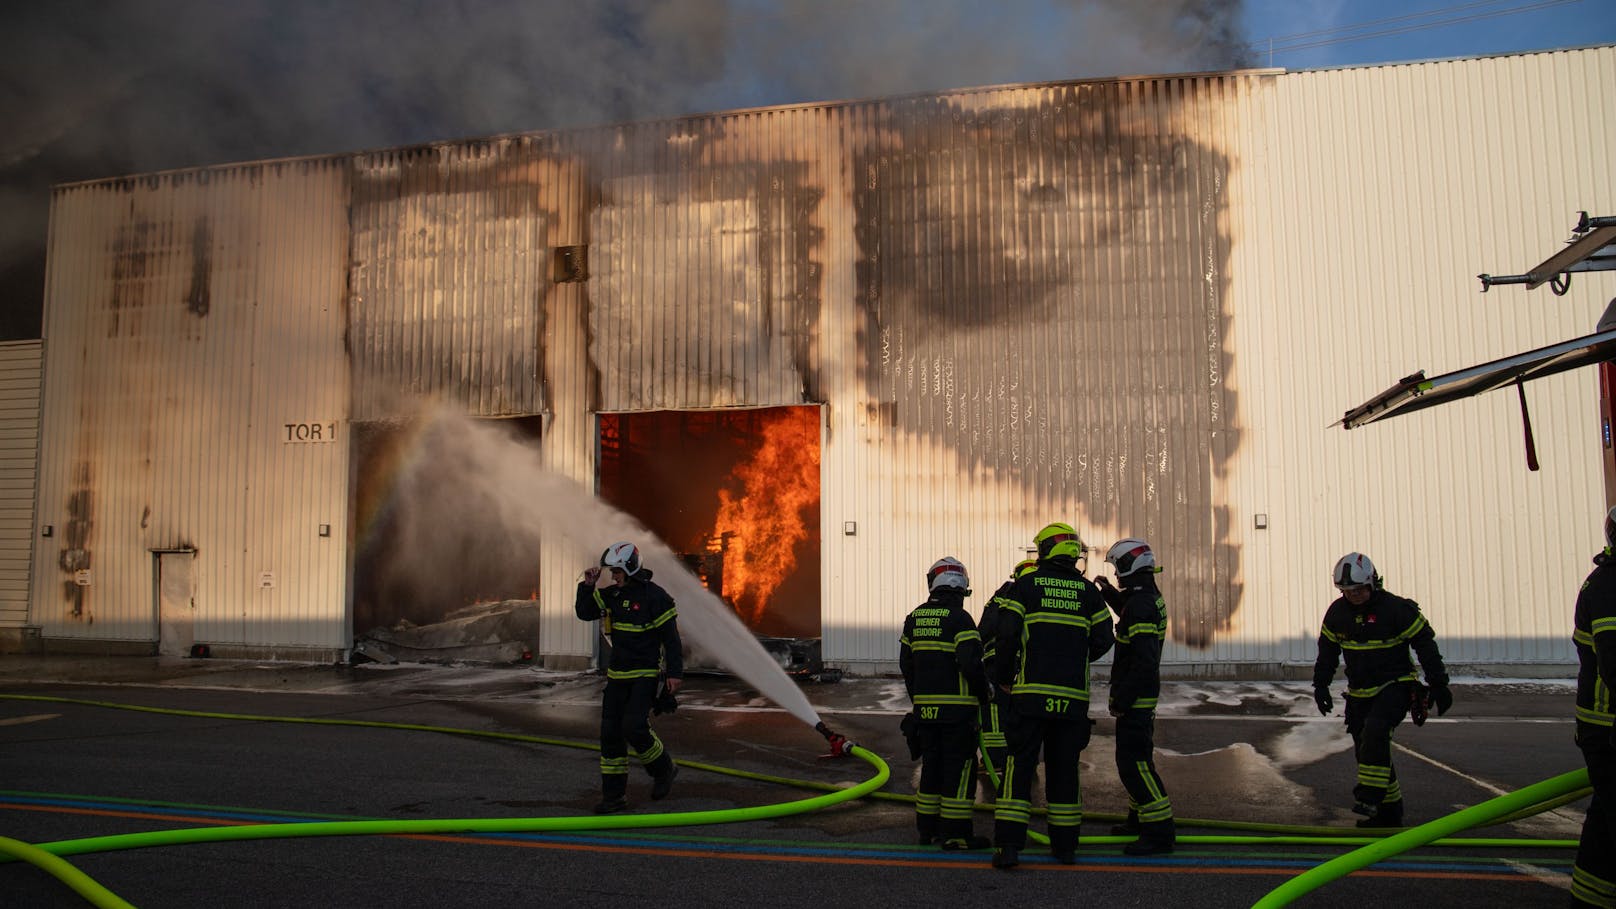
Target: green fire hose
x: 1398, y: 843
x: 1375, y: 846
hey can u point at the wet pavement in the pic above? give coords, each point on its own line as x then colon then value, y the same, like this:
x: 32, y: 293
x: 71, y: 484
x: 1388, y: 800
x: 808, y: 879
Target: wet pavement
x: 1253, y: 751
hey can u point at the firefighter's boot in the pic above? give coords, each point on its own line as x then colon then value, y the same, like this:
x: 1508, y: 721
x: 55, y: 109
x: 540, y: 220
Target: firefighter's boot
x: 613, y: 787
x: 662, y: 777
x: 1155, y: 838
x: 1385, y: 816
x: 1129, y: 827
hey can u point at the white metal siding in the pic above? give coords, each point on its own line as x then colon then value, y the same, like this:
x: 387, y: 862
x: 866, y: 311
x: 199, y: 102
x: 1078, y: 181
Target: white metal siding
x: 19, y: 448
x: 1369, y: 200
x: 702, y: 290
x: 189, y: 319
x: 1041, y: 317
x: 449, y: 269
x: 1135, y: 305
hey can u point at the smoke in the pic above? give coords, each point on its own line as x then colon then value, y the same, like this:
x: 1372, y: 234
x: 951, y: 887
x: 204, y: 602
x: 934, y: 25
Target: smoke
x: 95, y: 91
x: 471, y: 503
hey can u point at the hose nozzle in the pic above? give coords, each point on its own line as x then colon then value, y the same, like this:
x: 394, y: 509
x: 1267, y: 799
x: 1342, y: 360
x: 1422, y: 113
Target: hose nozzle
x: 840, y: 745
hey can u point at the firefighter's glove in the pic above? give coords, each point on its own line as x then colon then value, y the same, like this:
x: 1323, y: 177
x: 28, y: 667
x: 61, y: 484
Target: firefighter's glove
x: 1419, y: 703
x: 1321, y: 697
x: 1108, y: 591
x: 589, y: 575
x: 910, y: 726
x: 1442, y: 697
x: 665, y: 702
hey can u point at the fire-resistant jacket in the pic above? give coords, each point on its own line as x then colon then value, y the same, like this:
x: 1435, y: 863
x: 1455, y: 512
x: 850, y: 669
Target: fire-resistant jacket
x: 639, y: 618
x: 1052, y: 626
x: 1376, y: 639
x: 988, y: 626
x: 940, y: 655
x: 1141, y: 629
x: 1594, y: 633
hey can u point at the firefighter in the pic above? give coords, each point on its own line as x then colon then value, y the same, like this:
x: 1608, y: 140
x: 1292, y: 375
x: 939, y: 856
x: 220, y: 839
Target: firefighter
x: 993, y: 744
x: 940, y: 655
x: 1135, y: 685
x: 1051, y: 626
x: 1376, y: 629
x: 639, y: 619
x: 1593, y: 877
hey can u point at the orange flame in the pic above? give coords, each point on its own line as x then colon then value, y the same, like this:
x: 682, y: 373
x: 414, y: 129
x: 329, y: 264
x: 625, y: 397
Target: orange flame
x: 778, y: 484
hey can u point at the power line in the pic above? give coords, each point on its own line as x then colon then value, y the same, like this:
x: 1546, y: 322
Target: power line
x: 1389, y: 19
x: 1345, y: 34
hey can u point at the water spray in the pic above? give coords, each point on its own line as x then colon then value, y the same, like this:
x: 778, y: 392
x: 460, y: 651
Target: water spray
x: 530, y: 504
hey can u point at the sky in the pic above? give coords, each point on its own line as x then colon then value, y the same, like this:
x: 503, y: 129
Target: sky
x: 91, y: 89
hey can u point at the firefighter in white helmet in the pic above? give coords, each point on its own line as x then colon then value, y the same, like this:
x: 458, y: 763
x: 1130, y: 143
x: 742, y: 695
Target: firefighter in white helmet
x: 940, y: 655
x: 640, y: 620
x: 1593, y: 877
x: 1375, y: 629
x: 1135, y: 685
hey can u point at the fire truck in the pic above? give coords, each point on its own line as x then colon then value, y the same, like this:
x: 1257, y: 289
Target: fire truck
x: 1591, y: 247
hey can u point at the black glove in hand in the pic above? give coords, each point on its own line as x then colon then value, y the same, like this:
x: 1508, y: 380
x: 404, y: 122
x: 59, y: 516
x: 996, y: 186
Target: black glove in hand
x: 1108, y: 591
x: 1321, y: 697
x: 1442, y: 698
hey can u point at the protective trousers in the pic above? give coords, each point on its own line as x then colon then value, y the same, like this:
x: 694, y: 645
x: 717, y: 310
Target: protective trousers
x: 1370, y: 721
x: 947, y: 774
x: 625, y: 722
x: 1136, y: 766
x: 1593, y: 878
x: 993, y: 743
x: 1061, y: 741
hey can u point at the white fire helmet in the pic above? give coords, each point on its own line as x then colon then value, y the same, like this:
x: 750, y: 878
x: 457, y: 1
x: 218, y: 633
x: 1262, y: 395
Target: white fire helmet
x: 622, y: 555
x: 947, y: 572
x: 1355, y: 570
x: 1130, y: 555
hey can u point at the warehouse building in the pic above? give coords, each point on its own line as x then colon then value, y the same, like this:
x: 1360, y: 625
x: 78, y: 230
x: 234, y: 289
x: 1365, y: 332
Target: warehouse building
x: 813, y: 348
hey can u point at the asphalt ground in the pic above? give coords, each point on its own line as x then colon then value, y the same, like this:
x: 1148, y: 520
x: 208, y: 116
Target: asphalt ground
x: 1228, y: 751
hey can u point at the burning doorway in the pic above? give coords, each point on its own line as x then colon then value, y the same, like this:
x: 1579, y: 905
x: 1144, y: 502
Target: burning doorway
x: 736, y: 493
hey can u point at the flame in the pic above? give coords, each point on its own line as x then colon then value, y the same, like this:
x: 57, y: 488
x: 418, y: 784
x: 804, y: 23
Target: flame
x: 778, y: 484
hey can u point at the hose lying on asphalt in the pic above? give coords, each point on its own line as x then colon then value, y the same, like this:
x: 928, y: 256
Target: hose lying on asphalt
x: 56, y: 867
x: 1398, y: 843
x: 46, y: 856
x: 1376, y: 845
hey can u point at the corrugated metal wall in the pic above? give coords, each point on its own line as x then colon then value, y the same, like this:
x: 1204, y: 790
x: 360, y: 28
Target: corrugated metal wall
x: 704, y: 276
x: 1134, y: 305
x: 196, y: 398
x: 448, y: 273
x: 19, y: 450
x: 1041, y: 317
x: 1368, y: 201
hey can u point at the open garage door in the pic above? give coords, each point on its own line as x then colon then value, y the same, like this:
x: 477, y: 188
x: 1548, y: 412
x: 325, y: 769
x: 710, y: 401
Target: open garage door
x: 736, y: 493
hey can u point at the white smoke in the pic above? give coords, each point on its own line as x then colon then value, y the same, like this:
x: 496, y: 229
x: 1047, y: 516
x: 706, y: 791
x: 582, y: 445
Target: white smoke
x: 470, y: 479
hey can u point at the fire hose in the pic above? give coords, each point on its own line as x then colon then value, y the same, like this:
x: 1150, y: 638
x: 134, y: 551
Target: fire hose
x: 1375, y: 847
